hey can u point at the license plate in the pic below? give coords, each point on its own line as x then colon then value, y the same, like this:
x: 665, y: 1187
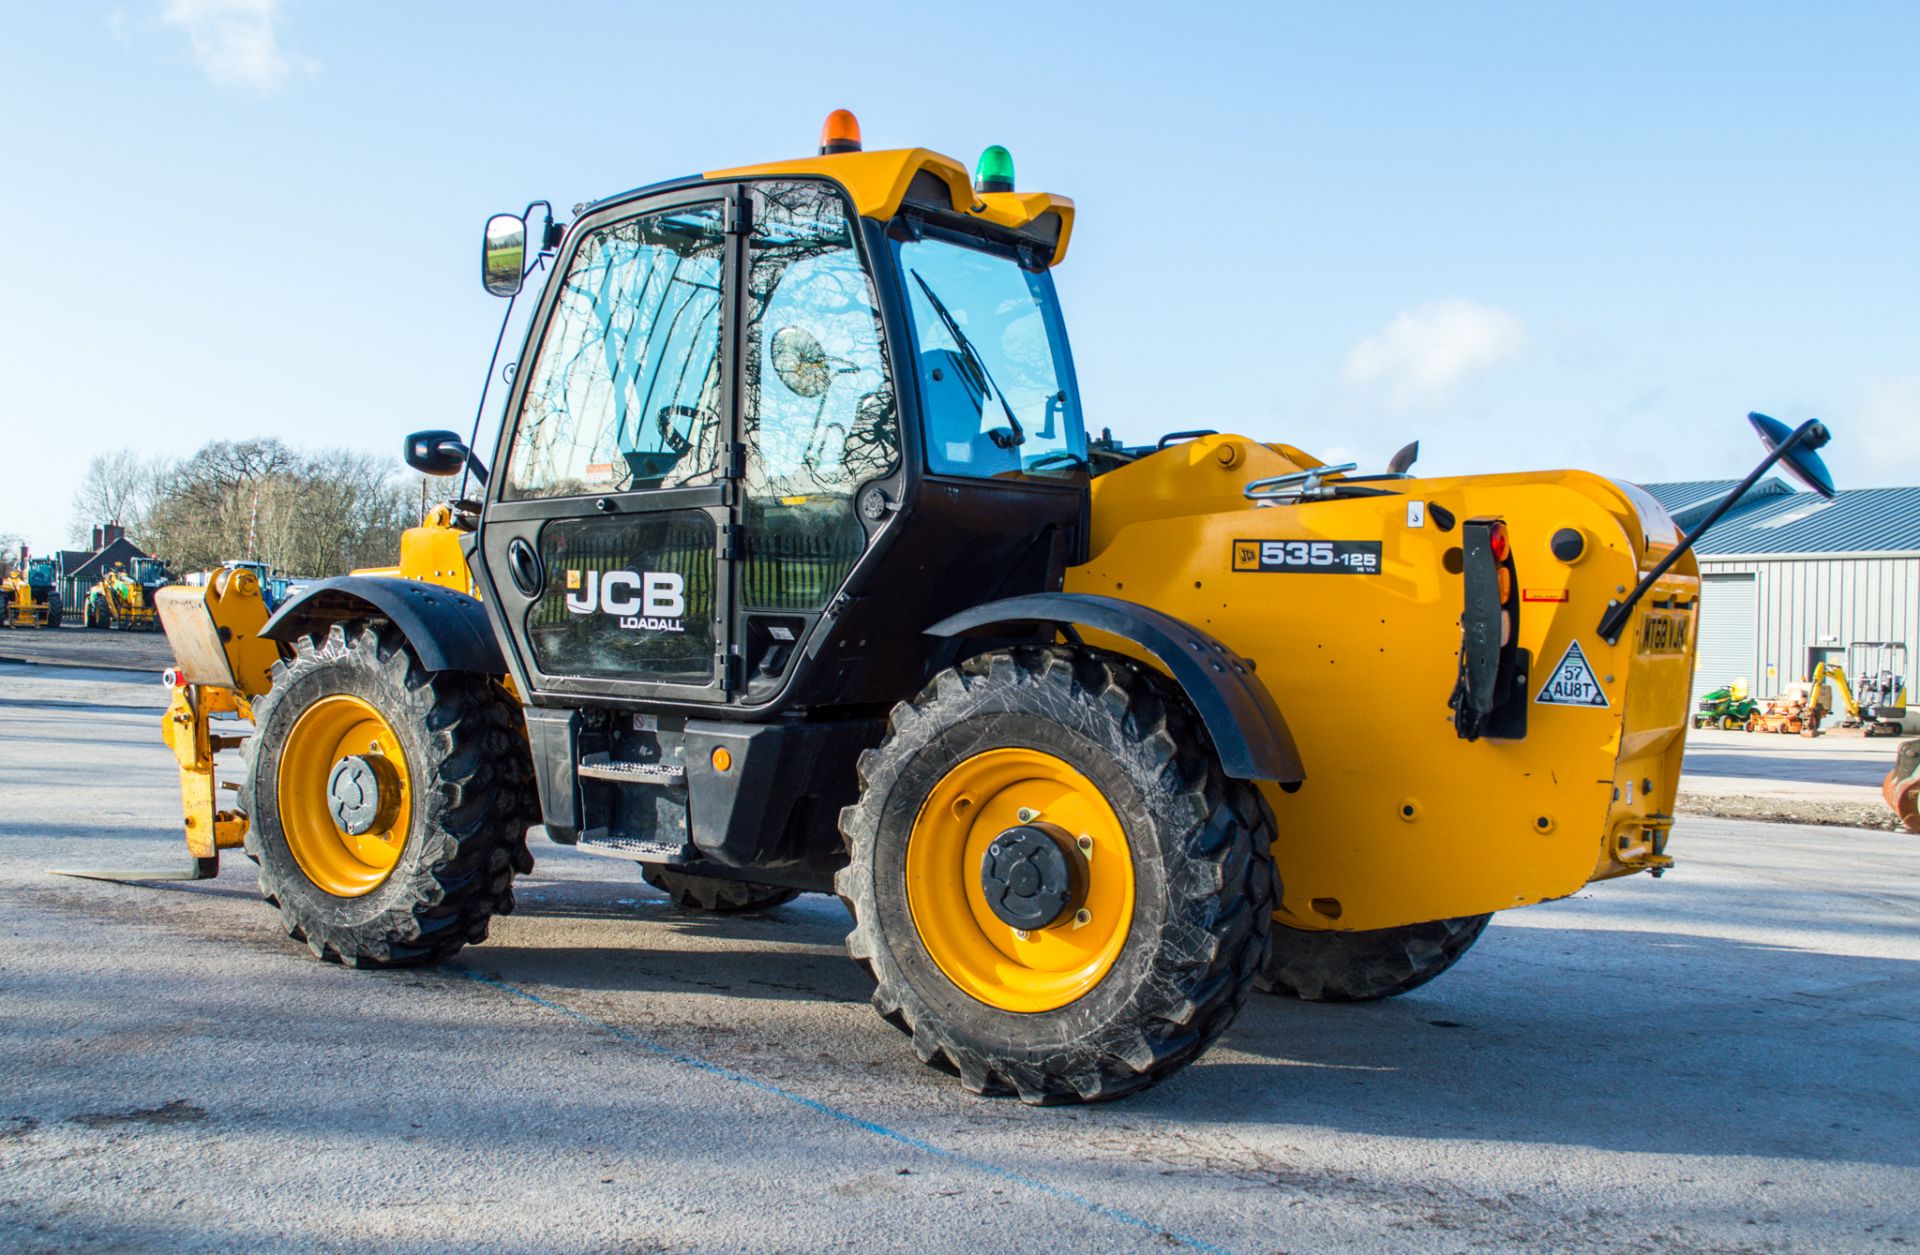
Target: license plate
x: 1664, y: 633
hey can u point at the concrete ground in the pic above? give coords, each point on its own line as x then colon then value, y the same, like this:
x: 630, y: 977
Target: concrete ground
x: 75, y: 645
x: 1837, y: 766
x: 1833, y: 778
x: 1723, y: 1060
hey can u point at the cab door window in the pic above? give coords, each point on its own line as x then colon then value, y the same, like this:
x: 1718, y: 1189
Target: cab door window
x: 818, y: 411
x: 626, y: 391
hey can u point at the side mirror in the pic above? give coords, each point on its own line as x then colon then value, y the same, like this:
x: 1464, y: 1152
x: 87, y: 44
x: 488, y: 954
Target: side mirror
x: 1793, y: 446
x: 504, y: 257
x: 1799, y: 456
x: 436, y: 452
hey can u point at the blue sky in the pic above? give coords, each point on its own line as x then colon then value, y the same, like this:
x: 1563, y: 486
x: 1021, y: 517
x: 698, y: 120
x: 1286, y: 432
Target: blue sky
x: 1529, y: 235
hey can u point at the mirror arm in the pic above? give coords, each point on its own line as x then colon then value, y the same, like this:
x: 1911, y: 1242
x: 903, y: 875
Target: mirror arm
x: 473, y: 465
x: 1614, y: 621
x: 550, y: 232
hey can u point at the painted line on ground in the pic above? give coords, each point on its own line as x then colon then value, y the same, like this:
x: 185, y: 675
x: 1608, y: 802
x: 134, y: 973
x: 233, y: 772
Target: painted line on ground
x: 845, y: 1117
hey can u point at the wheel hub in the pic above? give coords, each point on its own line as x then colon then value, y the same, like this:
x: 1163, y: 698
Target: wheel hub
x: 1031, y: 877
x: 360, y: 790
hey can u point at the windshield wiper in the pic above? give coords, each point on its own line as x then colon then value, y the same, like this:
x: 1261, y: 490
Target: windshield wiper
x: 974, y: 363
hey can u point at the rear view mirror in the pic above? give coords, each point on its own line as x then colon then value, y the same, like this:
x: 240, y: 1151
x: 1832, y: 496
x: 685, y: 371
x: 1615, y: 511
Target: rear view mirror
x: 1801, y: 459
x: 1793, y: 446
x: 436, y: 452
x: 504, y: 257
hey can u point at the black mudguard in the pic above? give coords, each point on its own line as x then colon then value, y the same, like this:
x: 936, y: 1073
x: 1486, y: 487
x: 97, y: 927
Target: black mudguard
x: 1249, y: 733
x: 448, y: 630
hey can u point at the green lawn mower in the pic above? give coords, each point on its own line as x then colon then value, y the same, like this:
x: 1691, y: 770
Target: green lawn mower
x: 1727, y: 708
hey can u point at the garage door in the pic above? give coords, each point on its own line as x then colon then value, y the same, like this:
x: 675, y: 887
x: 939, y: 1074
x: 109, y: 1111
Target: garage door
x: 1729, y: 633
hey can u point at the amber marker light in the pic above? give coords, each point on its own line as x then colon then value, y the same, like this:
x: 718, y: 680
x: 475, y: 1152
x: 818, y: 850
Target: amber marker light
x: 722, y: 760
x: 840, y: 133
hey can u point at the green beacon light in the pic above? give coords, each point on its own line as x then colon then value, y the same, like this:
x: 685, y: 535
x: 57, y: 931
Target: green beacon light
x: 995, y: 171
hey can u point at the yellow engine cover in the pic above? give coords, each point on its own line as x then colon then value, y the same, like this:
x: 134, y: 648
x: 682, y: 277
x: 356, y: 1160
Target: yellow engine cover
x: 1401, y: 820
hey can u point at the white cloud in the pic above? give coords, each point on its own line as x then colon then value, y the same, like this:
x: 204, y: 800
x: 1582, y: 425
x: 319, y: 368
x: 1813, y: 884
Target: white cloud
x: 1423, y: 353
x: 237, y: 42
x: 117, y: 24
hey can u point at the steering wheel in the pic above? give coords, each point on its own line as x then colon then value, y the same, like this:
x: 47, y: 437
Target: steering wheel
x: 672, y: 438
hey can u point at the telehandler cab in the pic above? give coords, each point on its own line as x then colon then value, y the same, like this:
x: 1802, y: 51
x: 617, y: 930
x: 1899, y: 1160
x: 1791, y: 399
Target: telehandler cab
x: 797, y: 572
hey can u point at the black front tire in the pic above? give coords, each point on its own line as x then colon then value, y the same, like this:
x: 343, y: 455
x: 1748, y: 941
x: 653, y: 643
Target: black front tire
x: 710, y: 895
x: 1364, y: 966
x: 471, y: 776
x: 1203, y: 876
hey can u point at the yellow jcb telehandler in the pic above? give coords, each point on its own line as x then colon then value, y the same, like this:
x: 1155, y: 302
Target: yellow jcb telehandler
x: 30, y: 594
x: 124, y: 598
x: 797, y: 572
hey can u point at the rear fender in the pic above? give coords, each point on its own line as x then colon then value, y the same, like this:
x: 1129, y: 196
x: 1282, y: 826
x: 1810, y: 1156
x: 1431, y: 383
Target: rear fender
x: 1249, y: 734
x: 448, y: 630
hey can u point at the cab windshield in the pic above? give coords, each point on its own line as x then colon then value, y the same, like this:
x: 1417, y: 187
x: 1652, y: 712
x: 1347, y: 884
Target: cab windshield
x: 996, y: 380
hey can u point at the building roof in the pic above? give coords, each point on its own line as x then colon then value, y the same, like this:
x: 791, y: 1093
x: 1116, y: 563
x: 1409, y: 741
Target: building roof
x: 1781, y: 521
x: 117, y: 552
x: 1689, y: 501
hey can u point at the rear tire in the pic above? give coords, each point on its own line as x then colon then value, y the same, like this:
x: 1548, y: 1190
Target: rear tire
x: 467, y: 787
x: 1190, y: 848
x: 1364, y: 966
x: 710, y: 895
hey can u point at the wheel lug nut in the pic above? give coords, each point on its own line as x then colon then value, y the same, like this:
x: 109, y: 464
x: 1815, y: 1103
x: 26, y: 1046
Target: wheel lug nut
x: 1085, y: 843
x: 1022, y: 934
x: 1082, y: 917
x: 1027, y: 815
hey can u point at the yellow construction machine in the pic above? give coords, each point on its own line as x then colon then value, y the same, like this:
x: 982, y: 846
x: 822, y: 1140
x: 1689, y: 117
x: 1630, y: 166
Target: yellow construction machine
x: 124, y: 598
x: 30, y: 593
x: 1878, y: 705
x: 832, y: 592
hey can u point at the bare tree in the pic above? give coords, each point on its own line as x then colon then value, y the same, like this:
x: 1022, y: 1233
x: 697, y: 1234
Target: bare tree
x: 118, y: 487
x: 304, y: 513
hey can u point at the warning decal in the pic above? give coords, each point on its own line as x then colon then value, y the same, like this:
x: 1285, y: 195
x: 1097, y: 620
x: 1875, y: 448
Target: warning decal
x: 1572, y: 683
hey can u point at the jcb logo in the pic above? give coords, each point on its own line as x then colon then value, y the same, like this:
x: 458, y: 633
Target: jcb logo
x: 641, y: 600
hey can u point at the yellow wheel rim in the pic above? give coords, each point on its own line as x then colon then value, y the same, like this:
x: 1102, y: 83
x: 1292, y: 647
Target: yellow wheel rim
x: 974, y: 803
x: 326, y: 734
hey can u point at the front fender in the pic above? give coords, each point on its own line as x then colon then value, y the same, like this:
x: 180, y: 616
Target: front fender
x: 448, y: 630
x: 1249, y: 733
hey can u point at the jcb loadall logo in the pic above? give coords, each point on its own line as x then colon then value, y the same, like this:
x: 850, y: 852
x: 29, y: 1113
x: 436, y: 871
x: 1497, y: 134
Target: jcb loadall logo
x: 643, y: 601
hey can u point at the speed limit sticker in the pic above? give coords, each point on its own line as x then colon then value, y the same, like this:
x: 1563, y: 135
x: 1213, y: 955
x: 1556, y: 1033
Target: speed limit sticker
x: 1315, y: 557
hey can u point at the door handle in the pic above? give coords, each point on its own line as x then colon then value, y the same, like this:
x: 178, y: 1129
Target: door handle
x: 523, y: 564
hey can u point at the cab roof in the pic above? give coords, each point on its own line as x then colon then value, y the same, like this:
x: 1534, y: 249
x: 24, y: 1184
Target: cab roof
x: 879, y: 183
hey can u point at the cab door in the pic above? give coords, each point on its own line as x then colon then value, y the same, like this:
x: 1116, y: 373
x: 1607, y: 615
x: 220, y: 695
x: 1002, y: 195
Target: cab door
x: 819, y: 422
x: 604, y: 536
